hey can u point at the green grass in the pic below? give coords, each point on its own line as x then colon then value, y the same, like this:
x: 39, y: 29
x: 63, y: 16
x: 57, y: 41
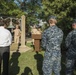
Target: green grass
x: 29, y: 63
x: 26, y: 63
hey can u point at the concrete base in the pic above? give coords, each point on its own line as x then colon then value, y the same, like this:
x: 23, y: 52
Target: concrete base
x: 23, y: 48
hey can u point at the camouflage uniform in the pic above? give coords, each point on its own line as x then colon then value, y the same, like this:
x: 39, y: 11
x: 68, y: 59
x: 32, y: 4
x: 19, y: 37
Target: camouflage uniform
x: 51, y: 41
x: 71, y: 53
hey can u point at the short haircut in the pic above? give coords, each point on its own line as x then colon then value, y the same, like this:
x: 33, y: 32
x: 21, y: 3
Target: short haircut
x: 1, y: 23
x: 53, y: 21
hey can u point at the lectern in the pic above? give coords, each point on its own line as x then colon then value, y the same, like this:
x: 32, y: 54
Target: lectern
x: 37, y: 38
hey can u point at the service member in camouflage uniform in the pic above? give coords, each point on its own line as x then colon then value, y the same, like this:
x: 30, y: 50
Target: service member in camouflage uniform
x: 51, y: 41
x: 71, y: 53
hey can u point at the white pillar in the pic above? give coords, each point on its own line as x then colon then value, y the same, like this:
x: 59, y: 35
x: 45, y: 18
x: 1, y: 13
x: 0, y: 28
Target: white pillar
x: 23, y: 46
x: 23, y: 31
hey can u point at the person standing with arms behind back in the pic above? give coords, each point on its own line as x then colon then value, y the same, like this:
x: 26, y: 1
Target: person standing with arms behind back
x: 17, y: 34
x: 51, y: 41
x: 71, y: 50
x: 5, y: 42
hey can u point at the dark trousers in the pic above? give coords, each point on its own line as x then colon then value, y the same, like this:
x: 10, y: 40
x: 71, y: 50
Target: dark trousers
x: 70, y: 65
x: 4, y: 55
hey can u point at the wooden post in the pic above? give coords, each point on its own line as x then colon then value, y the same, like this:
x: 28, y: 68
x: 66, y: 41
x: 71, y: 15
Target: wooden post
x: 37, y: 38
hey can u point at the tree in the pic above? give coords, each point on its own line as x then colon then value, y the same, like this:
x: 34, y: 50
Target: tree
x: 10, y: 8
x: 32, y: 8
x: 64, y: 10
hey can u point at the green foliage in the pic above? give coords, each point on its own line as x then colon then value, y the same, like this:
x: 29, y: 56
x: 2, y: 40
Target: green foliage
x: 60, y: 8
x: 33, y: 9
x: 10, y: 9
x: 64, y: 10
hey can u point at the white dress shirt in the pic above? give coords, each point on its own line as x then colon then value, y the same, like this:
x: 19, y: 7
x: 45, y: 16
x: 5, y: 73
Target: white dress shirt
x: 5, y: 37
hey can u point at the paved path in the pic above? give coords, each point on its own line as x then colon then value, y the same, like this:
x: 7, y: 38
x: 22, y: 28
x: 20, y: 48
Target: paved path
x: 14, y: 48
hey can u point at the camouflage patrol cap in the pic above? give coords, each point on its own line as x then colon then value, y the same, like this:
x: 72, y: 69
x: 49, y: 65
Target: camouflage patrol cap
x: 52, y: 17
x: 74, y: 22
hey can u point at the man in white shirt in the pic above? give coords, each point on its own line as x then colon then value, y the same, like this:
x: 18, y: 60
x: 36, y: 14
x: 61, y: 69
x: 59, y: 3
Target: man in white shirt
x: 5, y: 42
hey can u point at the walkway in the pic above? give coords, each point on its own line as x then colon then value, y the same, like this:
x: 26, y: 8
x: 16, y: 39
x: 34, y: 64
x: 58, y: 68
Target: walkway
x: 14, y: 47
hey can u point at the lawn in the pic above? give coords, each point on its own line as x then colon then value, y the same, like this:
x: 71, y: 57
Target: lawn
x: 29, y: 63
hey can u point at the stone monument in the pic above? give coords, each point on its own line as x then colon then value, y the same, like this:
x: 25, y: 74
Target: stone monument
x: 23, y: 47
